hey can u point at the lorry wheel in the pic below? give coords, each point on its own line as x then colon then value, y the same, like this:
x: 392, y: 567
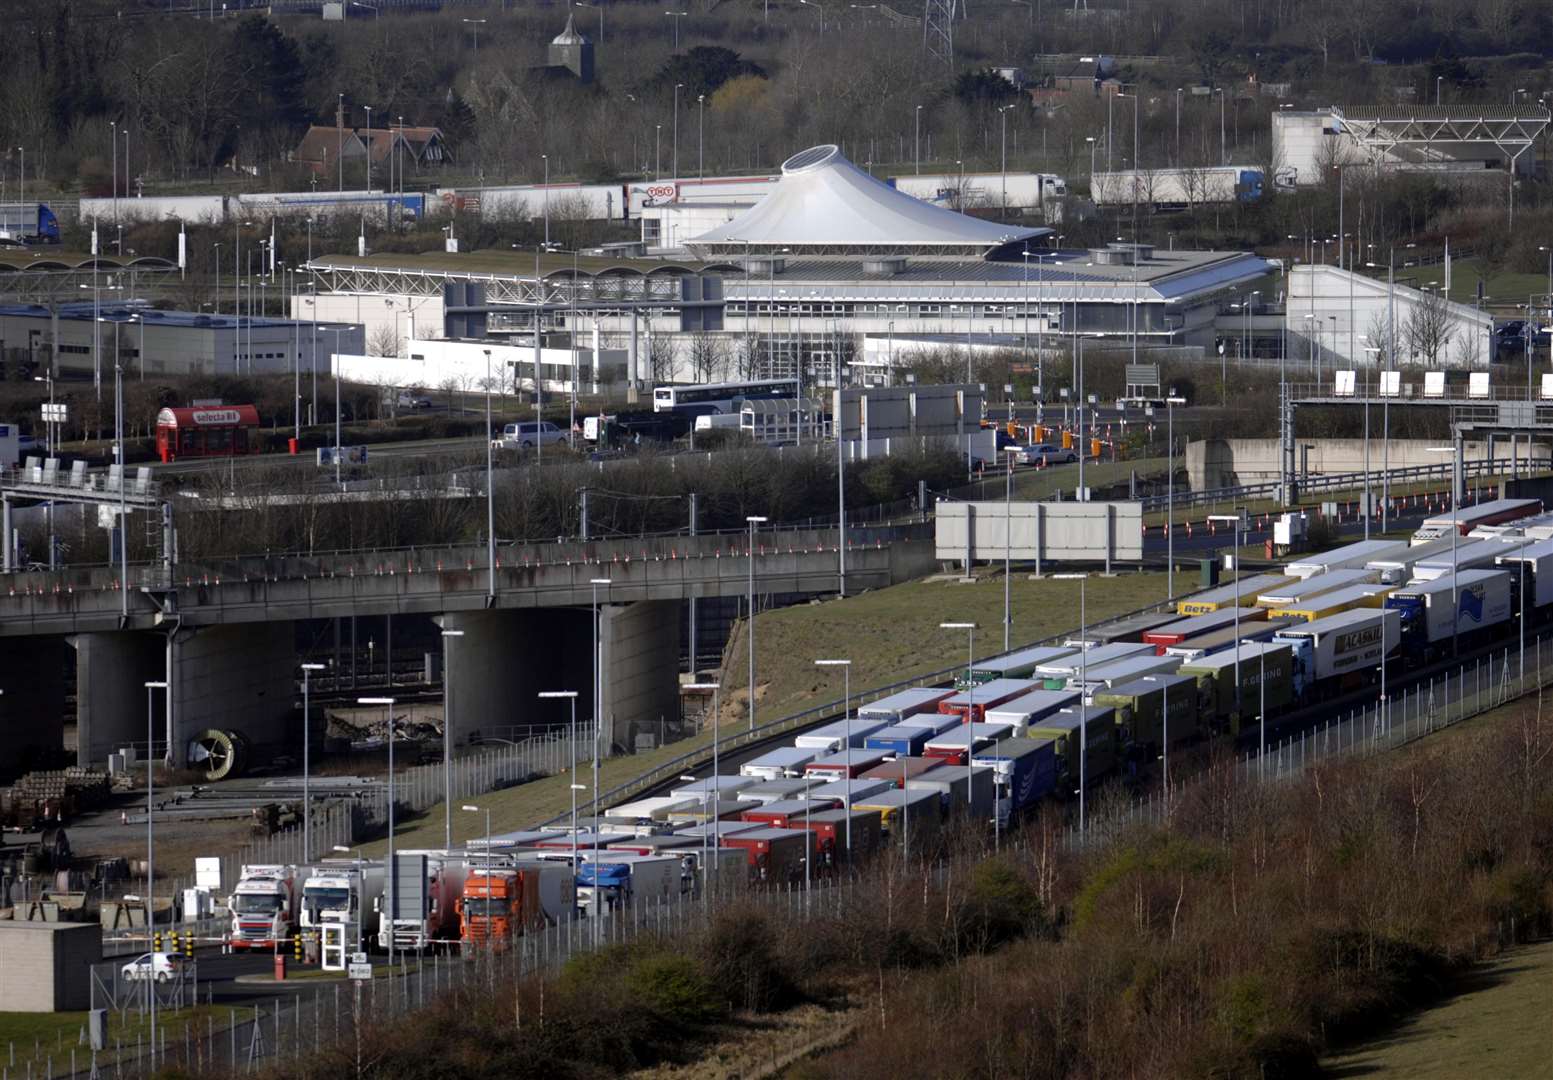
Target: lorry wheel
x: 528, y: 445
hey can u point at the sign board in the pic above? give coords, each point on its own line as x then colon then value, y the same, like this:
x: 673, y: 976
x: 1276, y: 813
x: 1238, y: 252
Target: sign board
x: 1434, y: 384
x: 360, y: 971
x: 1547, y: 387
x: 206, y: 403
x: 56, y: 412
x: 349, y: 455
x: 1390, y: 383
x: 1477, y: 384
x: 407, y: 890
x: 895, y: 412
x: 1343, y: 383
x: 358, y: 958
x: 207, y: 873
x: 1056, y: 531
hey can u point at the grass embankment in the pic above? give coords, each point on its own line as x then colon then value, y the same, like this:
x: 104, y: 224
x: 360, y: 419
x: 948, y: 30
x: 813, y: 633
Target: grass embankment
x: 889, y: 634
x: 1244, y: 939
x: 1493, y: 1027
x: 893, y: 633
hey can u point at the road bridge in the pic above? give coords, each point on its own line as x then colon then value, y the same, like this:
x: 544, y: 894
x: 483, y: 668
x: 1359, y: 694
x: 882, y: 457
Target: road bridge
x: 222, y: 632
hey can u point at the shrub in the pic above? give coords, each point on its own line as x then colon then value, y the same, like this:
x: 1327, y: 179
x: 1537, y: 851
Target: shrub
x: 740, y: 959
x: 999, y: 906
x: 674, y: 988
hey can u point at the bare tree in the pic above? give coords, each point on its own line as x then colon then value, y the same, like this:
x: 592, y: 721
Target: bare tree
x: 708, y: 357
x: 662, y: 357
x: 383, y: 341
x: 1429, y: 329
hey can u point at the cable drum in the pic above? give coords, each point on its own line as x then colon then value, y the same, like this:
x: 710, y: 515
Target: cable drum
x: 220, y: 754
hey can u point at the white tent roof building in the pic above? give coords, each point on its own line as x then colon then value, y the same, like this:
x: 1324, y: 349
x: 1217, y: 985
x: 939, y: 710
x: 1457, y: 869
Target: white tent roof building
x: 825, y: 205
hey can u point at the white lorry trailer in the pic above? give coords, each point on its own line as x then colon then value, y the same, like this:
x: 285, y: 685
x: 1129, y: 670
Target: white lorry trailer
x: 1345, y: 646
x: 1482, y: 601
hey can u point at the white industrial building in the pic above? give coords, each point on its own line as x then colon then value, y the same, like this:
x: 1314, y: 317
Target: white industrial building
x: 1457, y: 139
x: 448, y: 363
x: 1335, y: 318
x: 830, y: 262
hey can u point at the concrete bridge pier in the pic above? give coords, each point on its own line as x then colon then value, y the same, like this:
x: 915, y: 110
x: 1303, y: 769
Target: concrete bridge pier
x: 495, y: 671
x: 112, y: 668
x: 640, y: 670
x: 33, y: 704
x: 237, y: 677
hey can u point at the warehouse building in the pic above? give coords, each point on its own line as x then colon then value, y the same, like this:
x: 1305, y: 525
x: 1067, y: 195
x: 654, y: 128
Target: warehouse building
x: 153, y: 342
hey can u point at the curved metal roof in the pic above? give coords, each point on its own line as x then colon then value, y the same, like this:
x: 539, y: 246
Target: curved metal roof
x: 825, y: 204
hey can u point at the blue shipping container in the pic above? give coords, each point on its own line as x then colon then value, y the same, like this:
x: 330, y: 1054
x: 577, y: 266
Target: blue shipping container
x: 902, y: 741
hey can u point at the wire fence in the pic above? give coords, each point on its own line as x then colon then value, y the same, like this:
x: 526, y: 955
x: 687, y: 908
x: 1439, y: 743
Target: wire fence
x: 346, y: 822
x: 341, y: 1015
x: 1425, y: 707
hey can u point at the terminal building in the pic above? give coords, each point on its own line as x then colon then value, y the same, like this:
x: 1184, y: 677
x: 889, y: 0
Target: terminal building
x: 831, y: 268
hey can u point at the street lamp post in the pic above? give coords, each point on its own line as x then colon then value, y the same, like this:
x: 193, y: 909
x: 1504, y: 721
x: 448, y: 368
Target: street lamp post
x: 1455, y: 501
x: 487, y: 812
x: 1008, y: 545
x: 598, y: 695
x: 1170, y: 491
x: 970, y: 714
x: 717, y: 836
x: 151, y: 688
x: 752, y: 520
x: 307, y: 735
x: 447, y: 736
x: 677, y: 88
x: 393, y: 886
x: 1236, y: 520
x: 846, y: 719
x: 1083, y: 697
x: 916, y: 153
x: 490, y: 478
x: 571, y: 696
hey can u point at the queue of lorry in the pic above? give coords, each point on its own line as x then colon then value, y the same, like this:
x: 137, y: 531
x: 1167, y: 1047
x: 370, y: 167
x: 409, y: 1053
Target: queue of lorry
x: 1013, y: 731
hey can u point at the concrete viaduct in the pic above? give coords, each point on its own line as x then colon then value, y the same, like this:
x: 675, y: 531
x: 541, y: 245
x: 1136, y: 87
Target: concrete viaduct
x: 222, y: 633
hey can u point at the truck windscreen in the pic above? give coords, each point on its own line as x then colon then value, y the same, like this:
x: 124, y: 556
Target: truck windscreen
x: 315, y: 900
x: 256, y: 905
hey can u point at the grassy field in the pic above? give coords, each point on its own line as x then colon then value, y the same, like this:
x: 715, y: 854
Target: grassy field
x: 1501, y: 290
x: 888, y: 634
x: 55, y: 1034
x: 1495, y: 1028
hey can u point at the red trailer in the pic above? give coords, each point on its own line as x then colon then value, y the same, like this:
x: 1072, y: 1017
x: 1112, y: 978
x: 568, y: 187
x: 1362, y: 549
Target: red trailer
x: 972, y: 705
x: 775, y: 855
x: 845, y: 765
x: 789, y: 813
x: 830, y: 834
x: 902, y: 769
x: 208, y: 431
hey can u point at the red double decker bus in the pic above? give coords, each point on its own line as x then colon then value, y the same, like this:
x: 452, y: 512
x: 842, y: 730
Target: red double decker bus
x: 206, y: 431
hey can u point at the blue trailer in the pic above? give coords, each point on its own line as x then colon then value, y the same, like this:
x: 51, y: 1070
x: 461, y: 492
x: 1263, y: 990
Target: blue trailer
x: 1026, y: 771
x: 28, y: 223
x: 901, y: 741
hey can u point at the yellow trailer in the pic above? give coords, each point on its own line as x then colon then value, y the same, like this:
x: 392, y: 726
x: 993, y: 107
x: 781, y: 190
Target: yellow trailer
x: 1339, y: 600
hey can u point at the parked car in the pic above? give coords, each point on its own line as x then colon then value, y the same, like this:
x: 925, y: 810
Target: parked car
x: 163, y: 966
x: 1047, y: 454
x: 527, y: 434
